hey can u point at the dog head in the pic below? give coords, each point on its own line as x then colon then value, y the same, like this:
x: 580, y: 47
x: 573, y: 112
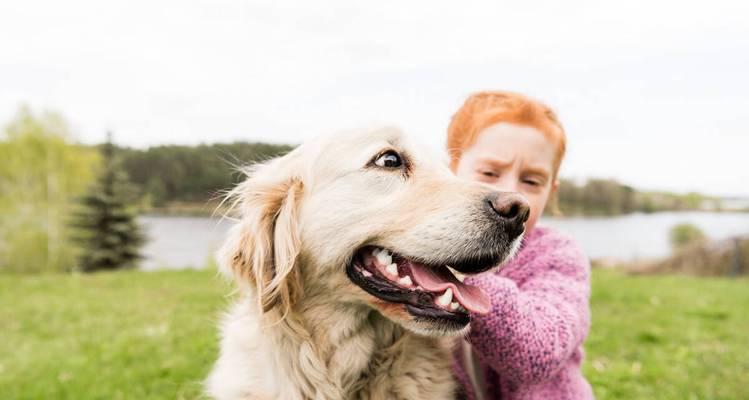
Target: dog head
x: 366, y: 220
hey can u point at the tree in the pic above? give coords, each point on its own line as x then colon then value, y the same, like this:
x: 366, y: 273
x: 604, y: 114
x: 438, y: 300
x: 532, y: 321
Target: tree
x: 107, y: 229
x: 42, y: 171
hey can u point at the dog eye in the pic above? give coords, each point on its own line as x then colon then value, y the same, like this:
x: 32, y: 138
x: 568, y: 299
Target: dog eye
x: 389, y: 159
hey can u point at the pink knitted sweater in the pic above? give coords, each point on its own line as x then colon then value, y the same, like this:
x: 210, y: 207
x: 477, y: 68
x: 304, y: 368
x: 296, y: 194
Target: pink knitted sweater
x: 530, y: 345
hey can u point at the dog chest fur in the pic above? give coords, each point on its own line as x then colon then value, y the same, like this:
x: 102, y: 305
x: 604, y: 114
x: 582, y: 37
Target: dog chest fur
x: 362, y: 356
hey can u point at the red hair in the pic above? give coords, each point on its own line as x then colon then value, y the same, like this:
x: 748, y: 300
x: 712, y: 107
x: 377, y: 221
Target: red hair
x: 484, y: 109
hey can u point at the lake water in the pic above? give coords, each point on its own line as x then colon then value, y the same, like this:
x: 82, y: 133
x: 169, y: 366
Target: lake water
x: 189, y: 242
x: 181, y: 242
x: 642, y: 236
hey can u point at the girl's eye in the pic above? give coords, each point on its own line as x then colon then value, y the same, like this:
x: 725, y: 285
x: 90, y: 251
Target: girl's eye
x: 488, y: 173
x: 531, y: 182
x: 389, y: 159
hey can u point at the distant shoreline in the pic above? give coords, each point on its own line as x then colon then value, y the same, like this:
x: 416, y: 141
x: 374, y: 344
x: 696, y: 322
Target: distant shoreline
x: 188, y: 209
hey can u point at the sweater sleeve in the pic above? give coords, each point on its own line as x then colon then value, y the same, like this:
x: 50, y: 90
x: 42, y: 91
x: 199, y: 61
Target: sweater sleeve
x: 535, y: 327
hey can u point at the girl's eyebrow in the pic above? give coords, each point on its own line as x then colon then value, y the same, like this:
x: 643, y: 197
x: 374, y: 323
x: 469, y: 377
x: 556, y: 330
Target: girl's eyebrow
x: 535, y: 170
x: 494, y: 161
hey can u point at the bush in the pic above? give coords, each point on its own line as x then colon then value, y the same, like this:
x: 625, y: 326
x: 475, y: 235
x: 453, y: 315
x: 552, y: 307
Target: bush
x: 685, y: 235
x: 722, y: 258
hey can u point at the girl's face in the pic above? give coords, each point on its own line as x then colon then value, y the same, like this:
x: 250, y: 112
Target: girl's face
x: 513, y: 158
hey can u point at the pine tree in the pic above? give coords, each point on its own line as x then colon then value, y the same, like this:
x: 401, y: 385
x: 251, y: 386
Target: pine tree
x: 106, y: 228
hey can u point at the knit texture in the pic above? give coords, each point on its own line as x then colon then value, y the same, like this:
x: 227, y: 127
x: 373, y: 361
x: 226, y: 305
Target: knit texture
x: 530, y: 345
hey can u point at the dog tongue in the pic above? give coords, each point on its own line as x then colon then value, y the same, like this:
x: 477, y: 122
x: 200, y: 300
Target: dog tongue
x: 438, y: 279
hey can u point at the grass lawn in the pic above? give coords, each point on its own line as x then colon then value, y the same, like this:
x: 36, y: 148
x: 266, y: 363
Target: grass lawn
x: 140, y: 335
x: 123, y: 335
x: 668, y: 337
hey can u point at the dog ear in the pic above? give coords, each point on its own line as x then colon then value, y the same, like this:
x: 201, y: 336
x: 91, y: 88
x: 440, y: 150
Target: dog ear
x: 262, y: 249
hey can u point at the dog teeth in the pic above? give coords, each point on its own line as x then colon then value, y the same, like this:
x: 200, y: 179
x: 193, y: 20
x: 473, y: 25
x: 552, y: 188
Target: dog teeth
x: 392, y: 269
x: 454, y: 306
x: 405, y: 281
x: 446, y: 298
x: 457, y: 274
x: 366, y: 273
x: 384, y: 257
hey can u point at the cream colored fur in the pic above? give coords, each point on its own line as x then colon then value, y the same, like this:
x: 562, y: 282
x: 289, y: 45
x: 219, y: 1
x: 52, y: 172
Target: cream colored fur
x: 301, y: 329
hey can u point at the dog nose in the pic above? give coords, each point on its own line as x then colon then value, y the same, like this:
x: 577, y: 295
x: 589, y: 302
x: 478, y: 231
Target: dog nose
x: 510, y: 206
x: 512, y: 209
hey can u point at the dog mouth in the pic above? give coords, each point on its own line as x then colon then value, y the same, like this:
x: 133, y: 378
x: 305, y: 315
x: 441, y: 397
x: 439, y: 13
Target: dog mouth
x: 431, y: 292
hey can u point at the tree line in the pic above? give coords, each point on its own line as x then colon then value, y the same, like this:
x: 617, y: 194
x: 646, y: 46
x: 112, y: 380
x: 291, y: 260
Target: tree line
x: 192, y: 174
x: 609, y: 197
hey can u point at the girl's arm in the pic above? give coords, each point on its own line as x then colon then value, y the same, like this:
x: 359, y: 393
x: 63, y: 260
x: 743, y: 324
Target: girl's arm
x: 533, y: 329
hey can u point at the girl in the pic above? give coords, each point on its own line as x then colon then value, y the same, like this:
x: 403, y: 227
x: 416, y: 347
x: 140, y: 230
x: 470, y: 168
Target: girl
x: 530, y: 345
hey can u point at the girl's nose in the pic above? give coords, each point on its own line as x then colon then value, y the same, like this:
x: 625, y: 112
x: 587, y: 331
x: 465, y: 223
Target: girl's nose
x: 507, y: 183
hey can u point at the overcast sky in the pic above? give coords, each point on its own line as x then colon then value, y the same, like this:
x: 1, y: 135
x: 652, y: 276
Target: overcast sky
x: 653, y: 93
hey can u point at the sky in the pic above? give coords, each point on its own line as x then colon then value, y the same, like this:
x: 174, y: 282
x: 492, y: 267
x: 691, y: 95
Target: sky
x: 652, y: 93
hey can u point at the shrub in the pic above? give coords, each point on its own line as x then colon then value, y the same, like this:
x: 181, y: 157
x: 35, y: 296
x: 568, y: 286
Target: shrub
x: 685, y: 235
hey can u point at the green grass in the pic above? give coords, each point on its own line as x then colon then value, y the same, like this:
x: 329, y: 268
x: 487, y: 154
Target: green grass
x: 138, y: 335
x: 123, y: 335
x: 668, y: 337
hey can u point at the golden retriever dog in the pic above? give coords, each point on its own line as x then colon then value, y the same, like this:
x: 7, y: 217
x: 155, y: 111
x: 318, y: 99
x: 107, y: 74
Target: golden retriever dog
x: 341, y: 253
